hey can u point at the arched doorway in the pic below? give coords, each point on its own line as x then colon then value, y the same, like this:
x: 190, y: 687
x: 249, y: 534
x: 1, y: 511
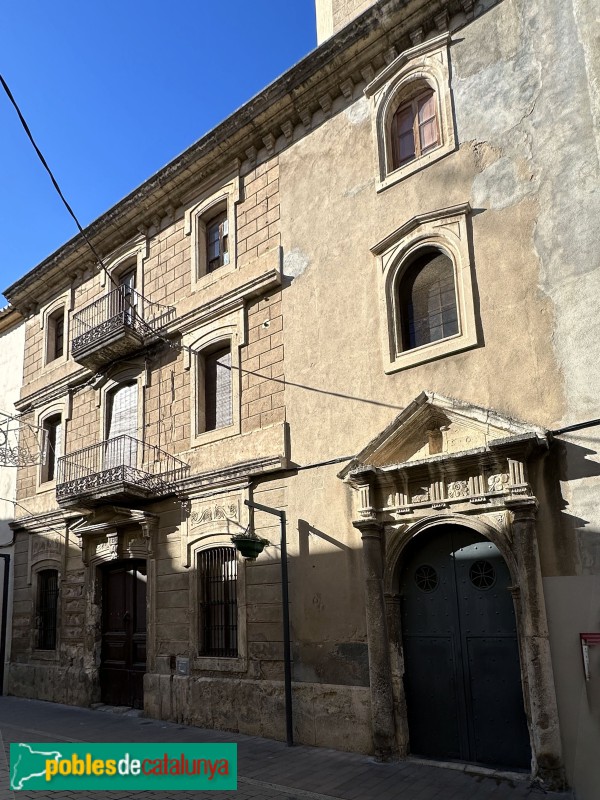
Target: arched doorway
x: 462, y: 673
x: 123, y: 649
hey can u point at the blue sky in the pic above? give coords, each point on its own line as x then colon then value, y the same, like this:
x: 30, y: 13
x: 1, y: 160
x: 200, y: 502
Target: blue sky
x: 113, y: 90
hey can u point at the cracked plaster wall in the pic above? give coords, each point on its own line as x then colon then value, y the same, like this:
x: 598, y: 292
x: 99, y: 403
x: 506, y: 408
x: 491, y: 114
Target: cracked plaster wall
x: 525, y: 83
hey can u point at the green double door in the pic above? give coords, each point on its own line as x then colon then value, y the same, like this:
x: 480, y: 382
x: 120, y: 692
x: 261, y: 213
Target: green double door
x: 462, y: 674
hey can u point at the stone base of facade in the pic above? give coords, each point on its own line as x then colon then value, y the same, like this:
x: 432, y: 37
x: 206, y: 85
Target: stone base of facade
x: 325, y: 715
x: 72, y: 686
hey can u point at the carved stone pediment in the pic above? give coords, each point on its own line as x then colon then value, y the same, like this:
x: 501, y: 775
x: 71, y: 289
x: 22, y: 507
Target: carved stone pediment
x: 433, y: 425
x: 110, y: 532
x: 443, y: 453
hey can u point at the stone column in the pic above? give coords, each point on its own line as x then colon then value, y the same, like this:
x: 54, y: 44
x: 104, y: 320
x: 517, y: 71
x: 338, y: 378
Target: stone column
x: 535, y: 645
x: 393, y: 605
x: 380, y: 673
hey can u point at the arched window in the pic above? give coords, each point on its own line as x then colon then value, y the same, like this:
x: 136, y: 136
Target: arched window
x: 46, y: 609
x: 427, y: 300
x: 413, y: 113
x: 218, y: 611
x: 414, y: 128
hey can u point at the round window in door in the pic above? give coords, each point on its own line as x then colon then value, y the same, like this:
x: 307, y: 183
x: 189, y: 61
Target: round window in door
x: 462, y: 673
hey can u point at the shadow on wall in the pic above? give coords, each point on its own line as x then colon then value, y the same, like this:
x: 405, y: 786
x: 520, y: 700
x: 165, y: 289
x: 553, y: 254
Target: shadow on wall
x: 576, y: 467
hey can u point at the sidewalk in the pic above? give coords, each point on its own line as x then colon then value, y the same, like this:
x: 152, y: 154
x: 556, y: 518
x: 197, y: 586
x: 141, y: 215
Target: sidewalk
x: 268, y: 770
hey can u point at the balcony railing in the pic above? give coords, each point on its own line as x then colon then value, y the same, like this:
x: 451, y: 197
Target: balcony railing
x: 118, y: 468
x: 115, y: 324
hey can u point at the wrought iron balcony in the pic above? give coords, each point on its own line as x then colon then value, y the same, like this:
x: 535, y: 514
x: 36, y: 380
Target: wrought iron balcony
x: 115, y: 325
x: 118, y: 469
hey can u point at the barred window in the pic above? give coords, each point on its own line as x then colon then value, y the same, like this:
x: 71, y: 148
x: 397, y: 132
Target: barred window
x: 218, y: 397
x: 428, y: 309
x: 46, y: 609
x: 217, y: 574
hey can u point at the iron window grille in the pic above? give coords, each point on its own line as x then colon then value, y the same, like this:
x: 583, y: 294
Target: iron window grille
x: 47, y: 608
x: 217, y: 574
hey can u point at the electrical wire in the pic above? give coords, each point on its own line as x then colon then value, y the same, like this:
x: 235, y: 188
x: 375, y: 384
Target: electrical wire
x: 180, y: 347
x: 31, y: 514
x: 177, y: 347
x: 50, y: 173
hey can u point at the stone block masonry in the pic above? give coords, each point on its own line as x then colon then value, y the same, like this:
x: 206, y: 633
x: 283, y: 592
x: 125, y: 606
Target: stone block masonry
x: 263, y: 385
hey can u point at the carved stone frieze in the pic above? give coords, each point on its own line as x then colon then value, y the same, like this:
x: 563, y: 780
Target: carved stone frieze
x: 210, y: 512
x: 498, y: 482
x: 421, y: 495
x: 108, y: 550
x: 206, y: 517
x: 48, y: 545
x: 457, y: 489
x: 441, y: 453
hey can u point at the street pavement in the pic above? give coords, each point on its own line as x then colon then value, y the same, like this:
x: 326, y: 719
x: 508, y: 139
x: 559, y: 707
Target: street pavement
x: 267, y: 770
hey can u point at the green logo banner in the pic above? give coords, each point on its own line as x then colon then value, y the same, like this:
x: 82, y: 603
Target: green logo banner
x: 107, y: 767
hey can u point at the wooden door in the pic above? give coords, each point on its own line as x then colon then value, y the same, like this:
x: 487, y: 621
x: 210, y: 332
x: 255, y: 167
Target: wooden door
x: 462, y: 672
x: 123, y: 658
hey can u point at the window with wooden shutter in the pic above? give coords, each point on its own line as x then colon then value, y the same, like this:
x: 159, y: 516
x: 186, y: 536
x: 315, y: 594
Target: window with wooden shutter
x: 46, y: 609
x: 414, y: 129
x: 53, y: 428
x: 218, y: 397
x: 55, y: 343
x: 127, y: 295
x: 217, y: 247
x: 217, y: 575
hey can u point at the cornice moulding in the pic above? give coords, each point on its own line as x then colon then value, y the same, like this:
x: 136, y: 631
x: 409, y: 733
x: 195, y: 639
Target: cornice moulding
x: 348, y: 53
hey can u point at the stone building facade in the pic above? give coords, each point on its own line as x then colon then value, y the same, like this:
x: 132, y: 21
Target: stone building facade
x: 368, y: 299
x: 12, y: 340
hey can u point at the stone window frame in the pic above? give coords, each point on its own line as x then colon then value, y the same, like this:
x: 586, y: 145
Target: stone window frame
x: 425, y: 65
x: 223, y: 195
x: 40, y: 566
x: 47, y: 315
x: 228, y: 329
x: 448, y: 231
x: 131, y: 254
x: 129, y: 374
x: 60, y: 408
x: 239, y: 663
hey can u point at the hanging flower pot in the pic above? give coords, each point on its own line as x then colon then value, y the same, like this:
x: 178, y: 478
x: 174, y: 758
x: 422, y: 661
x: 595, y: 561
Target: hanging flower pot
x: 249, y: 544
